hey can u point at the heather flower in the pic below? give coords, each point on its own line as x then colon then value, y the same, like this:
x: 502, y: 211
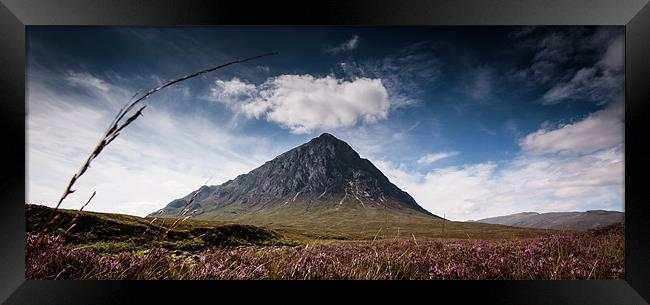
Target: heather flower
x: 568, y: 256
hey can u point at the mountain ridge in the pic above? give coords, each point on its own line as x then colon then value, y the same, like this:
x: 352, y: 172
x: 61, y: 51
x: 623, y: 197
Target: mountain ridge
x: 559, y: 220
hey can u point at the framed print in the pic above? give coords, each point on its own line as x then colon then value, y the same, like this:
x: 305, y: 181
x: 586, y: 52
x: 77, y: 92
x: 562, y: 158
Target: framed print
x: 172, y: 151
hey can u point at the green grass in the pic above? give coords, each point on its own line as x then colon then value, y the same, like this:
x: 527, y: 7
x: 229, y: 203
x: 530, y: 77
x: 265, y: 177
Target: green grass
x: 357, y: 223
x: 114, y: 233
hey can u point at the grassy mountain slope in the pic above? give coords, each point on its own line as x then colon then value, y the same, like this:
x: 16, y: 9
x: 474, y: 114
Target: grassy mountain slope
x: 126, y: 232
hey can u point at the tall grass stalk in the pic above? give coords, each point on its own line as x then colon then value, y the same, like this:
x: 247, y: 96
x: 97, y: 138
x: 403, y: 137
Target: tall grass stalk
x: 124, y: 118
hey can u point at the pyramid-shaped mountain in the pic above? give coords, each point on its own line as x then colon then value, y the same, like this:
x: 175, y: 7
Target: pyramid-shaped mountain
x: 324, y: 175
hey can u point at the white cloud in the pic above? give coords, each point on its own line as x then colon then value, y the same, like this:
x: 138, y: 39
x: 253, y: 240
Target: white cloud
x: 453, y: 191
x: 430, y: 158
x: 571, y: 168
x: 602, y: 129
x: 529, y: 183
x: 304, y: 103
x: 346, y: 46
x: 232, y: 92
x: 160, y: 157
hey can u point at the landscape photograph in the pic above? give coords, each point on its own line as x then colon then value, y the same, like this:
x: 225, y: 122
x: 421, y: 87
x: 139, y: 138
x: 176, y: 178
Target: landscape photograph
x: 325, y: 153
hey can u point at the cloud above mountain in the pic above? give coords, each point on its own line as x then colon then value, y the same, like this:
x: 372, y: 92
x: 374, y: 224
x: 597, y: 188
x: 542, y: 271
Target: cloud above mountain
x: 305, y: 103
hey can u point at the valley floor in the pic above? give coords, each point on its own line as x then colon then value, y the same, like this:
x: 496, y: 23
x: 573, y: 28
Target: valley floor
x: 588, y: 255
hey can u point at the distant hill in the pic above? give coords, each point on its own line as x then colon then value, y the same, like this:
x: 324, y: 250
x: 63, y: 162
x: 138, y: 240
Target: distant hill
x: 560, y: 220
x: 321, y: 179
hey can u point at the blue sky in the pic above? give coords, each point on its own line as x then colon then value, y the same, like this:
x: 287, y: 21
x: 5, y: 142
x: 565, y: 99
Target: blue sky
x: 473, y: 122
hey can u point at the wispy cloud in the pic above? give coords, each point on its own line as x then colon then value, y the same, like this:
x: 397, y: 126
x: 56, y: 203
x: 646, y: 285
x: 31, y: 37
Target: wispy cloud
x: 512, y: 127
x: 554, y: 59
x: 433, y: 157
x: 552, y: 49
x: 348, y: 45
x: 523, y: 31
x: 405, y: 73
x: 480, y: 87
x: 263, y: 68
x: 400, y: 134
x: 600, y: 83
x: 87, y: 81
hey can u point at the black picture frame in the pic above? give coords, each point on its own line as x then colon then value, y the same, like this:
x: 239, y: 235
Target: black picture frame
x: 15, y: 15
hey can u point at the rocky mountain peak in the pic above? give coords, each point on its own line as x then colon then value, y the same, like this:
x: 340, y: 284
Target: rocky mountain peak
x: 326, y: 172
x: 327, y: 137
